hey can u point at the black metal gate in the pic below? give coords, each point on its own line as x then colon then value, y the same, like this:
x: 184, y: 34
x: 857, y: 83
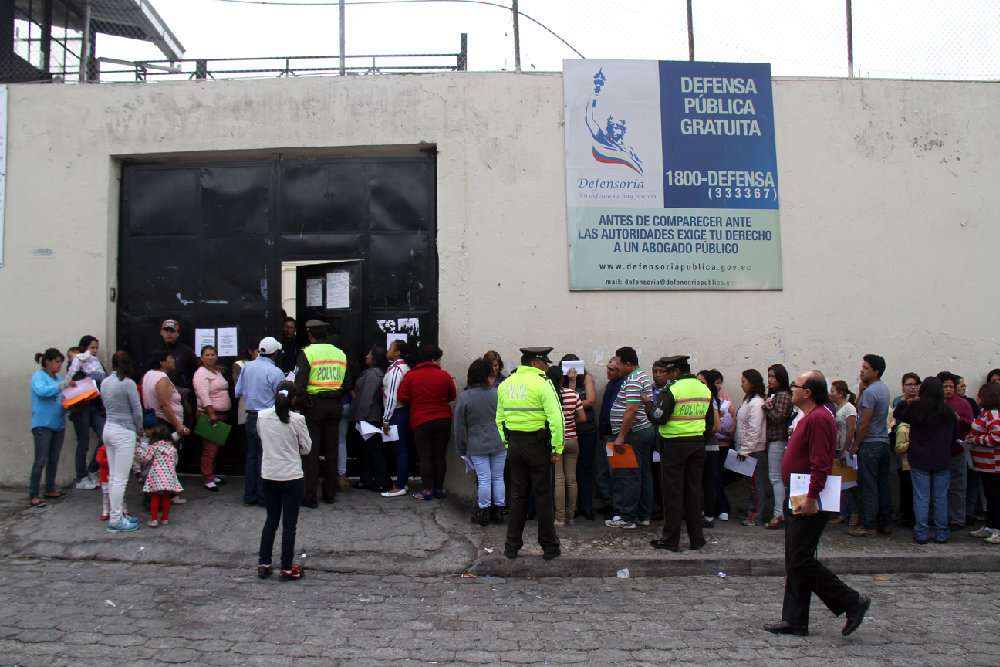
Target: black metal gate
x: 203, y: 242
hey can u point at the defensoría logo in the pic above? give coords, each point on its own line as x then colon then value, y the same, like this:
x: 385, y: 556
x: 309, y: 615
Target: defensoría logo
x: 609, y: 145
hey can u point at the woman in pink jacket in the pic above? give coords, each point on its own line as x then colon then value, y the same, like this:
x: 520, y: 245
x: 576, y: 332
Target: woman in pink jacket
x: 212, y: 390
x: 751, y: 438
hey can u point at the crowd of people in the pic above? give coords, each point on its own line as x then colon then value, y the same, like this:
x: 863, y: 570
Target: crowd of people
x: 613, y: 453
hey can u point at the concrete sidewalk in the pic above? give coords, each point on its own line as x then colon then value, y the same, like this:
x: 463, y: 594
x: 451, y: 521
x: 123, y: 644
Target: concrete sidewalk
x: 367, y: 534
x: 361, y: 533
x: 589, y: 549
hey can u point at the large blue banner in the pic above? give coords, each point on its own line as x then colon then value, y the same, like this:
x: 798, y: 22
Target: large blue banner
x: 672, y: 179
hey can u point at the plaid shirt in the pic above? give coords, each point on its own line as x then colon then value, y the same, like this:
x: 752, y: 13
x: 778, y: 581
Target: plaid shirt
x: 777, y: 417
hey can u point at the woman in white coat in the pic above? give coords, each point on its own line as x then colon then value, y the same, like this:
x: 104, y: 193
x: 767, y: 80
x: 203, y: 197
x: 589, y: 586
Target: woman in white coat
x: 751, y: 438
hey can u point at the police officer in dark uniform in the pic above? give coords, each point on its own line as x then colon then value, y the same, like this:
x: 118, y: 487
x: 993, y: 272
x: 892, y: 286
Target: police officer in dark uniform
x: 684, y: 416
x: 320, y: 374
x: 530, y: 421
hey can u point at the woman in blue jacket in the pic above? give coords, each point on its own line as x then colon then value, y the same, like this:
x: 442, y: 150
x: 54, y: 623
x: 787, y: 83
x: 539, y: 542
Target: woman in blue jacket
x: 48, y: 424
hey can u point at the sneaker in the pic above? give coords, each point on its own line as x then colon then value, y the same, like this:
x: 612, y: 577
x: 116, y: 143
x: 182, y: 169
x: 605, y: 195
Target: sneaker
x: 394, y: 494
x: 419, y: 495
x: 177, y: 500
x: 559, y: 523
x: 85, y: 484
x: 131, y: 519
x: 860, y: 531
x: 618, y: 522
x: 723, y: 516
x: 164, y: 522
x: 219, y: 481
x: 613, y: 521
x: 982, y: 532
x: 96, y: 479
x: 153, y: 523
x: 121, y: 527
x: 627, y: 525
x: 643, y: 522
x: 105, y: 517
x: 707, y: 522
x: 212, y: 486
x: 994, y: 538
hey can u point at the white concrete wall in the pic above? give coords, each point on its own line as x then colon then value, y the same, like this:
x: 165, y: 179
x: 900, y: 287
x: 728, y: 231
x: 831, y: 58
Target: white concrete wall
x: 889, y: 198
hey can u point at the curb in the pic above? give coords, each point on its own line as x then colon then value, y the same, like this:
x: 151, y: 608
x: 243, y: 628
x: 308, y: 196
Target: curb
x: 762, y: 566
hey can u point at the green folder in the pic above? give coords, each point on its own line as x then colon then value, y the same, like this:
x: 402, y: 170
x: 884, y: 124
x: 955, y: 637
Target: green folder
x: 217, y: 434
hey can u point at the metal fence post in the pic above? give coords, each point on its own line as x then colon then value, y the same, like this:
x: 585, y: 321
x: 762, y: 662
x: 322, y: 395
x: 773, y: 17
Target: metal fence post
x: 850, y: 41
x: 85, y: 45
x: 517, y: 38
x: 463, y: 53
x: 201, y: 69
x: 343, y: 41
x: 690, y: 17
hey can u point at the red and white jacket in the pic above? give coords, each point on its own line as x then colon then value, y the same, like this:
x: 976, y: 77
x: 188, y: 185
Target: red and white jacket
x: 985, y: 439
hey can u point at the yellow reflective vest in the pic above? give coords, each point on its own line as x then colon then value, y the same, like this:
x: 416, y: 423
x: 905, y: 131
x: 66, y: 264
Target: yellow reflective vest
x: 692, y: 400
x: 525, y: 402
x: 327, y: 368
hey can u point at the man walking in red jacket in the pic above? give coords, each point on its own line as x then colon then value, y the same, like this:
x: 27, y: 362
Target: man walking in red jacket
x: 810, y: 451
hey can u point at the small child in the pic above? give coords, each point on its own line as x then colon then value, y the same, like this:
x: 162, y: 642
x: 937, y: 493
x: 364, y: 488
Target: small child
x: 104, y: 473
x: 160, y: 454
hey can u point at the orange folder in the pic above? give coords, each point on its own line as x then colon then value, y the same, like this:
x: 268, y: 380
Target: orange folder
x: 625, y: 460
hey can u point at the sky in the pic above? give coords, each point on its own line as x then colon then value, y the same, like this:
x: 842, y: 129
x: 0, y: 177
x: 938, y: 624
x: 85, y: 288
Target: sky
x: 892, y: 38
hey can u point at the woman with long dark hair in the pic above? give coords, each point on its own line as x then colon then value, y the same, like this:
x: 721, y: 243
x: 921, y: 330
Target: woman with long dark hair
x: 87, y: 415
x: 48, y: 424
x: 751, y: 438
x: 933, y: 431
x: 368, y: 408
x: 777, y: 410
x: 121, y: 432
x: 284, y: 440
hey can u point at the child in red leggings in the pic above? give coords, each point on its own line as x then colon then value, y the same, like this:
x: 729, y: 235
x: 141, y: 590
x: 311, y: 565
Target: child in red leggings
x: 161, y: 479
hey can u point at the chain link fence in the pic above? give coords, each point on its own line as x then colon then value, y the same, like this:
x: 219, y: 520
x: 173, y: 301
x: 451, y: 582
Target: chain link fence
x: 129, y: 40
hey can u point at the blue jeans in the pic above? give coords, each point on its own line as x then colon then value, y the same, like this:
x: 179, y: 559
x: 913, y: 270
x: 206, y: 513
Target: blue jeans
x: 401, y: 420
x: 86, y: 417
x: 633, y: 488
x: 48, y: 444
x: 489, y: 478
x: 930, y: 487
x: 956, y: 489
x: 253, y: 488
x: 873, y: 478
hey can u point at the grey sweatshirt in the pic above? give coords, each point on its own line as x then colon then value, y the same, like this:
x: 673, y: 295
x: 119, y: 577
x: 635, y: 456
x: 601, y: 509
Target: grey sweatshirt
x: 475, y: 422
x: 121, y: 402
x: 367, y: 404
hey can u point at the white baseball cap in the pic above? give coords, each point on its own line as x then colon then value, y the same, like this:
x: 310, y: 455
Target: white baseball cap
x: 269, y: 345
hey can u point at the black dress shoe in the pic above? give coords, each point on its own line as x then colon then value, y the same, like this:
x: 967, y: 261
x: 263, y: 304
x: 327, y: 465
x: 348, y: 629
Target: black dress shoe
x: 510, y: 551
x: 549, y: 555
x: 856, y: 615
x: 786, y: 628
x: 311, y: 504
x: 329, y: 500
x: 248, y: 503
x: 661, y: 544
x: 696, y: 547
x: 921, y: 542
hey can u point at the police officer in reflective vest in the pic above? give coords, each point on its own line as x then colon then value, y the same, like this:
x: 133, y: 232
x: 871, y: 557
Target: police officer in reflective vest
x: 320, y: 373
x: 530, y: 421
x: 684, y: 414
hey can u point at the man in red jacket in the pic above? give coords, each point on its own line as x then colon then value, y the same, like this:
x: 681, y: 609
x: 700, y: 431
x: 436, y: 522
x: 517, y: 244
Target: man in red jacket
x: 811, y: 451
x: 429, y: 390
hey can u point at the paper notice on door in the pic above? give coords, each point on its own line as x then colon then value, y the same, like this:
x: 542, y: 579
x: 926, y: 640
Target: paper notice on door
x: 228, y: 345
x: 829, y: 497
x: 314, y: 292
x: 338, y: 290
x: 203, y: 337
x: 393, y: 337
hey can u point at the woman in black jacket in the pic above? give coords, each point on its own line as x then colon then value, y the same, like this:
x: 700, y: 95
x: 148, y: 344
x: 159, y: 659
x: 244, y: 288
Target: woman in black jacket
x: 933, y: 441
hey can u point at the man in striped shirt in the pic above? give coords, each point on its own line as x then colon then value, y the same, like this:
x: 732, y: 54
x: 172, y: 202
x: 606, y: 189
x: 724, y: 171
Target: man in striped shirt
x: 632, y: 488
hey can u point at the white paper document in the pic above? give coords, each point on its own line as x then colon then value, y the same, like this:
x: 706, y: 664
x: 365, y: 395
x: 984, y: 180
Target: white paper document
x: 367, y: 430
x: 203, y: 337
x: 829, y: 497
x: 314, y: 292
x: 338, y: 290
x: 228, y: 345
x: 744, y: 467
x: 569, y: 365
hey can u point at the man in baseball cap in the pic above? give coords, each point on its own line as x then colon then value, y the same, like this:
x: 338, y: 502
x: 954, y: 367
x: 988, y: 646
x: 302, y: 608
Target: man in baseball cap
x: 258, y: 383
x: 185, y: 360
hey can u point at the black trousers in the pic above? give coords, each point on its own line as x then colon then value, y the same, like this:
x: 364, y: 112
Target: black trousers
x: 710, y: 480
x: 681, y: 464
x: 431, y: 441
x: 323, y: 419
x: 585, y: 470
x: 529, y: 456
x: 282, y: 500
x: 991, y: 489
x: 374, y: 472
x: 805, y: 575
